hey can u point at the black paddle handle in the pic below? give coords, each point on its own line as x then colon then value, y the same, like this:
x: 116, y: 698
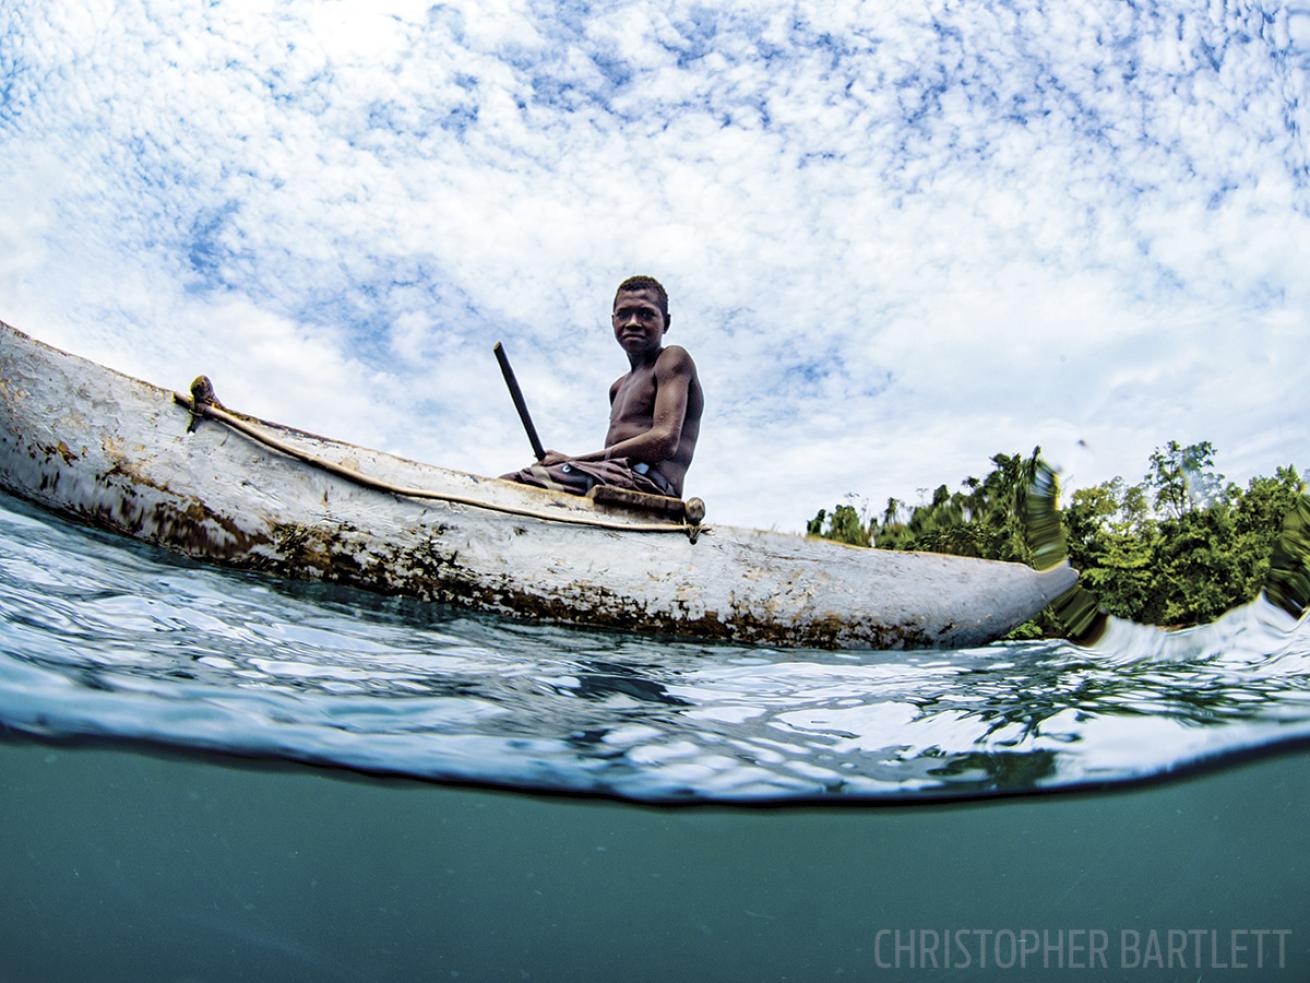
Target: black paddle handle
x: 516, y: 394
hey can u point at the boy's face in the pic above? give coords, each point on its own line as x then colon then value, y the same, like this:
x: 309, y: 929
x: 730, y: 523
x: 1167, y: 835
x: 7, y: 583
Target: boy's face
x: 638, y: 323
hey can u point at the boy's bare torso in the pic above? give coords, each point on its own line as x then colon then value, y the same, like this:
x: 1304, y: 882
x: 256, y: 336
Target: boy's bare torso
x: 633, y: 402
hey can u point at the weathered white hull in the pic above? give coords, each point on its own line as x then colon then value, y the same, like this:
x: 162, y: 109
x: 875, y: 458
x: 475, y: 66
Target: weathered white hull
x: 94, y: 444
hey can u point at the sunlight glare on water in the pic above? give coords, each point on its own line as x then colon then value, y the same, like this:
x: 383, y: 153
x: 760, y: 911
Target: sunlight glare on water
x: 104, y: 638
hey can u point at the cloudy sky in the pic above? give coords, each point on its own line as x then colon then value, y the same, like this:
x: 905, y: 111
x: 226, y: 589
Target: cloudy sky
x: 898, y: 237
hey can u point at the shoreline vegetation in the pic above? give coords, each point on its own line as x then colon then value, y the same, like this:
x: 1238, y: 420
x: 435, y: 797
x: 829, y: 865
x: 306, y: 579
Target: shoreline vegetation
x: 1178, y: 548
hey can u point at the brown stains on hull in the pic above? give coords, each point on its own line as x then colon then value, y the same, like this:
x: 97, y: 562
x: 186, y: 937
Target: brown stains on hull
x: 431, y: 570
x: 314, y: 552
x: 128, y: 499
x: 168, y: 518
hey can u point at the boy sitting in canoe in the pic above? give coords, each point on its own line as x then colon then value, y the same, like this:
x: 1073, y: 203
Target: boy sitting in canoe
x: 655, y: 409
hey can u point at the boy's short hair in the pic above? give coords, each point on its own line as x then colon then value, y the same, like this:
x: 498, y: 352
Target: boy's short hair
x: 646, y: 283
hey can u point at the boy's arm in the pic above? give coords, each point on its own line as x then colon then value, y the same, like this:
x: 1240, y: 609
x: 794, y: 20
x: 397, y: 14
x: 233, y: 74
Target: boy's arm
x: 673, y: 374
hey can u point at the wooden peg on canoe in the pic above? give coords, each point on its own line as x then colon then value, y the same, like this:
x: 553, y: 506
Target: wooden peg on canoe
x: 693, y: 511
x: 202, y: 394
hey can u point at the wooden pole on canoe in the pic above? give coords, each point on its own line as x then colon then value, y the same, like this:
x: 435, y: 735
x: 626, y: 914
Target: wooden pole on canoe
x: 517, y: 395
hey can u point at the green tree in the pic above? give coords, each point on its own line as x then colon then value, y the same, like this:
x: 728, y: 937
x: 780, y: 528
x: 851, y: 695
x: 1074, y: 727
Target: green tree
x: 845, y: 525
x: 1111, y: 539
x: 1182, y: 477
x: 1180, y: 547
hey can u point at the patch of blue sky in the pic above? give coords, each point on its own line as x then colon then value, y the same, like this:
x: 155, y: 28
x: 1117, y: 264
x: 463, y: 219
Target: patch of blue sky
x: 946, y: 31
x: 551, y: 91
x: 836, y: 50
x: 919, y: 98
x: 1220, y: 195
x: 446, y: 18
x: 458, y: 119
x: 1157, y: 280
x: 696, y: 32
x: 367, y: 303
x: 1265, y: 295
x: 19, y: 82
x: 208, y: 256
x: 557, y: 80
x: 562, y: 18
x: 616, y: 71
x: 10, y: 106
x: 148, y: 200
x: 809, y: 372
x: 815, y: 378
x: 356, y: 308
x: 809, y: 158
x: 151, y: 167
x: 277, y: 90
x: 420, y: 122
x: 1213, y: 54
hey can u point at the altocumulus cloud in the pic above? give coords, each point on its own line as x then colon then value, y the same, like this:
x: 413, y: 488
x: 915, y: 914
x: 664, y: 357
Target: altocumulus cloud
x: 898, y: 237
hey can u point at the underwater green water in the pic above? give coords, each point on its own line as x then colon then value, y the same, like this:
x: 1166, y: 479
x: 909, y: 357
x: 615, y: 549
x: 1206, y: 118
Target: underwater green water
x: 121, y: 865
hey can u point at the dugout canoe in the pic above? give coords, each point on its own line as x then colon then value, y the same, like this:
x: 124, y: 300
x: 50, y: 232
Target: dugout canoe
x: 110, y: 450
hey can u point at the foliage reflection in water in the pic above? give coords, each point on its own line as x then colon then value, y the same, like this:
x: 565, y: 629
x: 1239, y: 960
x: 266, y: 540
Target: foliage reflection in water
x: 104, y: 638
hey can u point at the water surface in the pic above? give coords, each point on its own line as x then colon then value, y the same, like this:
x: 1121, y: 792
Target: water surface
x: 103, y: 637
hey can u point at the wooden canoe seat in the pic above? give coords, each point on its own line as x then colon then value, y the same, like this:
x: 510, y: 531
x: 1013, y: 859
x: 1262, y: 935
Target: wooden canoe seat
x: 663, y: 506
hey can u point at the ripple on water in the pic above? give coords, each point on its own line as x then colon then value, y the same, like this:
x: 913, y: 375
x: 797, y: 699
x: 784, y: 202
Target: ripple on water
x: 101, y: 637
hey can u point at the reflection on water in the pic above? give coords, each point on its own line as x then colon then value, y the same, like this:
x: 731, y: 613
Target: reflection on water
x: 1288, y: 583
x: 104, y: 638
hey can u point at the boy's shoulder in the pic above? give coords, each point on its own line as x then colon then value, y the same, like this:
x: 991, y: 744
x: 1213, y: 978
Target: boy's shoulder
x: 674, y: 356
